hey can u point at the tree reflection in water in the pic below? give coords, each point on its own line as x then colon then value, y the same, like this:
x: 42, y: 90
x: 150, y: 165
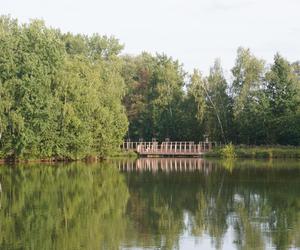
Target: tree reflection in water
x: 259, y: 201
x: 66, y: 207
x: 151, y: 203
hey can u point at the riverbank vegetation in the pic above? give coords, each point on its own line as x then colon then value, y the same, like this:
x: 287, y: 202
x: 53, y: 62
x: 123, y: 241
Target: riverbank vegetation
x: 267, y: 152
x: 66, y: 96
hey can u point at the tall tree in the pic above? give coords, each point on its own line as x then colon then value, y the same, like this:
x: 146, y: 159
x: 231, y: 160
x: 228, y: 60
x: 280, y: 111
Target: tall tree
x: 248, y: 100
x: 219, y: 104
x: 137, y: 73
x: 212, y: 102
x: 95, y: 90
x: 283, y: 93
x: 196, y: 97
x: 31, y: 55
x: 281, y: 87
x: 168, y: 80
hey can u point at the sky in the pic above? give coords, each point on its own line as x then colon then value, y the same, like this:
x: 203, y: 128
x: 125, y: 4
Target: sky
x: 195, y: 32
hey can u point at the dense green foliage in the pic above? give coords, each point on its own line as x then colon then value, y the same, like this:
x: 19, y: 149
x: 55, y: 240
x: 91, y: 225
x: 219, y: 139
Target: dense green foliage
x: 261, y: 105
x: 60, y: 94
x: 154, y: 97
x: 68, y: 96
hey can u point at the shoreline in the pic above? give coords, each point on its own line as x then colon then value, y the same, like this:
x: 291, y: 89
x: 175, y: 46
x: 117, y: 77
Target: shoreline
x: 240, y: 151
x: 259, y: 152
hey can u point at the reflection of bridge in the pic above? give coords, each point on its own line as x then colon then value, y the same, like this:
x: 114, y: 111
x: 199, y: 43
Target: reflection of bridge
x: 169, y: 148
x: 166, y: 165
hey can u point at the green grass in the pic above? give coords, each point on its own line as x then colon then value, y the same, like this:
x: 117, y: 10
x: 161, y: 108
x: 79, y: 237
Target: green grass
x: 260, y: 152
x: 123, y: 154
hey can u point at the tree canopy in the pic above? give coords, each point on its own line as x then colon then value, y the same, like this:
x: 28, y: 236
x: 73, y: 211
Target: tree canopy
x: 60, y: 93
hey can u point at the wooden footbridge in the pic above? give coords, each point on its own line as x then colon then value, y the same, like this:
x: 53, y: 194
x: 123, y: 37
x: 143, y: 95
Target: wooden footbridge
x: 177, y: 148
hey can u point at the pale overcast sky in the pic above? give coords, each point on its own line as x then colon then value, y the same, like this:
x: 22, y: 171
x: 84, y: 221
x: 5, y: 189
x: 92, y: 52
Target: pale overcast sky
x: 193, y: 31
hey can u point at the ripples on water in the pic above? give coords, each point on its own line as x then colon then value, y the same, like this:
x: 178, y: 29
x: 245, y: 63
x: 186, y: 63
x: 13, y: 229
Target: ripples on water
x: 151, y: 204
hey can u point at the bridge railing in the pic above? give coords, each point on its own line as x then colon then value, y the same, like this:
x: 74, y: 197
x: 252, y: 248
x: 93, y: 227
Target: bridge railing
x: 171, y: 147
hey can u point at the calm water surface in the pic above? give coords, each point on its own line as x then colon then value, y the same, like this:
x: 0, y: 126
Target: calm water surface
x: 151, y: 204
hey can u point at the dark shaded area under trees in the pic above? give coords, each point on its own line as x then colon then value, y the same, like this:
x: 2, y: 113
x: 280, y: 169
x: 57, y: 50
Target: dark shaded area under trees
x: 75, y: 96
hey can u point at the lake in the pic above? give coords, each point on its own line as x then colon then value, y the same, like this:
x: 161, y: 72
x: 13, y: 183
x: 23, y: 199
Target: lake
x: 151, y: 204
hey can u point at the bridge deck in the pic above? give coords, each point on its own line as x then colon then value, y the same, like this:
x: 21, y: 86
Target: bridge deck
x: 170, y: 152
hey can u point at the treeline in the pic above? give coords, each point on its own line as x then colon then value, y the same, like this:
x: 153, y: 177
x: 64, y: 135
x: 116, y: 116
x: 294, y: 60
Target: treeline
x: 260, y: 104
x: 72, y: 96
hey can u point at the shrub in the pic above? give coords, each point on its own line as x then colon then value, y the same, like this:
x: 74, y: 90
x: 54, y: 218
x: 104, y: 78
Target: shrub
x: 228, y: 151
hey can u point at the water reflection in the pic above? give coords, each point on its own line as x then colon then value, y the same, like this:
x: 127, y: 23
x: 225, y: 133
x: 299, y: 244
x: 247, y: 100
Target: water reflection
x: 166, y: 165
x: 152, y: 204
x: 220, y: 204
x: 67, y: 207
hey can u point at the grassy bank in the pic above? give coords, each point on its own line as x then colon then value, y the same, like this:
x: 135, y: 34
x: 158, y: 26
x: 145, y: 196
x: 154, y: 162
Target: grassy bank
x: 123, y: 154
x: 259, y: 152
